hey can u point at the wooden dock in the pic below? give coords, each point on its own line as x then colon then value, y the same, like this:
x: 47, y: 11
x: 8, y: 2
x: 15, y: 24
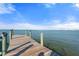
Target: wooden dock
x: 21, y: 45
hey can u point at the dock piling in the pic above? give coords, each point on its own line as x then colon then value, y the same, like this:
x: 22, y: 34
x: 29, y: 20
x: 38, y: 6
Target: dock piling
x: 41, y: 38
x: 4, y: 38
x: 11, y: 33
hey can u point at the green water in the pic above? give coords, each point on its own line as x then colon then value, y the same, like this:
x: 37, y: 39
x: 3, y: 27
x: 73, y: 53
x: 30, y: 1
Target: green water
x: 64, y: 42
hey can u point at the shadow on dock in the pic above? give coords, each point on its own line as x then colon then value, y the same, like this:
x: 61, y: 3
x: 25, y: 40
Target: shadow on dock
x: 41, y: 54
x: 19, y: 53
x: 18, y: 47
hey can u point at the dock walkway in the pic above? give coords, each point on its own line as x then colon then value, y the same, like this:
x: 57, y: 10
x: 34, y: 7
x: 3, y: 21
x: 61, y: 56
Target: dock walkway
x: 21, y: 45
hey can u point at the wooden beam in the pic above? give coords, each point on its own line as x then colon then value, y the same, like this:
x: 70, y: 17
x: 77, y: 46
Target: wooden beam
x: 41, y: 38
x: 4, y: 37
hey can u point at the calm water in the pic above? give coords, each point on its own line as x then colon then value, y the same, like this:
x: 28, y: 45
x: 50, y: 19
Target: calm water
x: 63, y: 41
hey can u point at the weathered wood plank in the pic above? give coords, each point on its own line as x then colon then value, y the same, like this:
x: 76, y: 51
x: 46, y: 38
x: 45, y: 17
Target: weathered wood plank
x: 25, y: 46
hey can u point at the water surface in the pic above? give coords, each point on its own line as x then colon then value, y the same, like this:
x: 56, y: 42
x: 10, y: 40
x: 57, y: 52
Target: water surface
x: 65, y: 42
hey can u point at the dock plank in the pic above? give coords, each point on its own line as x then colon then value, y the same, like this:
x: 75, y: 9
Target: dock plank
x: 25, y: 46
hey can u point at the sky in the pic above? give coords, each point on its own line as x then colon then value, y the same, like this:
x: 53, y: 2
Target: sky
x: 39, y: 16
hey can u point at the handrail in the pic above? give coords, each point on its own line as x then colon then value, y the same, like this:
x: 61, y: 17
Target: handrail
x: 4, y: 38
x: 11, y: 33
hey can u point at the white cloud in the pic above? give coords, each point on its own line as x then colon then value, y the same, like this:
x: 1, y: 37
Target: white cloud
x: 69, y: 24
x: 66, y: 26
x: 60, y: 26
x: 6, y: 8
x: 76, y: 6
x: 20, y: 26
x: 48, y: 5
x: 54, y: 22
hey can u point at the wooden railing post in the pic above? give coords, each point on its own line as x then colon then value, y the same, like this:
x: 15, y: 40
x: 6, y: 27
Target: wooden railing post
x: 41, y: 38
x: 11, y: 34
x: 4, y: 38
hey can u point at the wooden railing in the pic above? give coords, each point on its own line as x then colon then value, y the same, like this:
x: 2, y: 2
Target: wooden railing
x: 4, y: 41
x: 11, y: 33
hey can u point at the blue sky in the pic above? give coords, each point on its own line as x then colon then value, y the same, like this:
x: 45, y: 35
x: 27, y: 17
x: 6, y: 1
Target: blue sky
x: 60, y: 16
